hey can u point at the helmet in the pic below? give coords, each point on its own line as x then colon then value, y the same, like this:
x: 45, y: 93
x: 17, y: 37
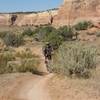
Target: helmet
x: 47, y: 44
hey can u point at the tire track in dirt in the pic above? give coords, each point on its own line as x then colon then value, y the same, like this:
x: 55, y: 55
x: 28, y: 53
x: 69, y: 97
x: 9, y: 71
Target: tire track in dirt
x: 29, y: 88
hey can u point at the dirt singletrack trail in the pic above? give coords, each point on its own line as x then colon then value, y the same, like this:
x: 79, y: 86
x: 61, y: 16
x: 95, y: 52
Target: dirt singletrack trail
x: 39, y: 90
x: 28, y: 86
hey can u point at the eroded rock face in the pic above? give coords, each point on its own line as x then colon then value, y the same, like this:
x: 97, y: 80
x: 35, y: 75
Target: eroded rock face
x: 36, y: 19
x: 72, y: 10
x: 4, y: 19
x: 41, y: 18
x: 69, y: 12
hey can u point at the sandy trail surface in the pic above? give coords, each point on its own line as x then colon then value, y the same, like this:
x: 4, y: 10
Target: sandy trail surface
x: 27, y: 87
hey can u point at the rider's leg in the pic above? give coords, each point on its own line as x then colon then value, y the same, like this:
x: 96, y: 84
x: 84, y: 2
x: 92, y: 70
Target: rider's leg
x: 49, y: 57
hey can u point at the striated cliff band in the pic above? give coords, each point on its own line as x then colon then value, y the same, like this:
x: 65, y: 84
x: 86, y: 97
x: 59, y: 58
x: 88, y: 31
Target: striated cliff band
x: 24, y: 19
x: 69, y: 12
x: 74, y: 10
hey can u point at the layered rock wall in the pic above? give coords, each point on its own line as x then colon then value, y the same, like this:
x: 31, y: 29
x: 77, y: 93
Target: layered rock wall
x: 69, y: 12
x: 72, y: 10
x: 4, y: 19
x: 41, y: 18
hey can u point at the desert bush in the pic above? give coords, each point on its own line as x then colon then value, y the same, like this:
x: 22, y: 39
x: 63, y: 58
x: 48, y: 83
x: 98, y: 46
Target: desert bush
x: 98, y: 33
x: 11, y: 62
x: 74, y: 59
x: 83, y: 25
x: 29, y: 65
x: 54, y: 39
x: 28, y: 32
x: 13, y: 66
x: 12, y: 39
x: 43, y: 31
x: 3, y: 34
x: 28, y: 62
x: 26, y: 54
x: 66, y: 32
x: 4, y: 59
x: 54, y: 36
x: 24, y: 65
x: 49, y: 34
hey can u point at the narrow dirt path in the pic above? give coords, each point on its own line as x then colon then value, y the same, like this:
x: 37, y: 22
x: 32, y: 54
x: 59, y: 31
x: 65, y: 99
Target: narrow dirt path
x: 28, y: 88
x: 39, y: 90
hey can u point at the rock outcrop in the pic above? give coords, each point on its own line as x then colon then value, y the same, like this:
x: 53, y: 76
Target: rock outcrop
x: 70, y: 11
x: 4, y: 19
x: 33, y: 19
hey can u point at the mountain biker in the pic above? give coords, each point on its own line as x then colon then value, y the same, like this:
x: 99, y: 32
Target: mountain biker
x: 48, y: 52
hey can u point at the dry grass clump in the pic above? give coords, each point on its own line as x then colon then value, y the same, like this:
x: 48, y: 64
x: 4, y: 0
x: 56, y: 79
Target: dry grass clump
x: 4, y: 59
x: 74, y: 59
x: 11, y: 62
x: 29, y: 65
x: 26, y: 54
x: 12, y: 39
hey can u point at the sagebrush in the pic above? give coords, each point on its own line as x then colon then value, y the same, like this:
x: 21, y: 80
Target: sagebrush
x: 74, y: 59
x: 25, y: 61
x: 83, y: 25
x: 28, y: 32
x: 11, y: 39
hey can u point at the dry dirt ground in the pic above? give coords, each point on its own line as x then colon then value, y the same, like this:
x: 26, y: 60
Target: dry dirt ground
x: 48, y: 87
x: 24, y: 87
x: 74, y: 89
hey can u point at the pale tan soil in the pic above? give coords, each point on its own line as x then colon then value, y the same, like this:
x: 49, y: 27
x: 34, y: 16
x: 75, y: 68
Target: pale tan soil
x: 24, y: 87
x: 49, y: 87
x: 61, y: 88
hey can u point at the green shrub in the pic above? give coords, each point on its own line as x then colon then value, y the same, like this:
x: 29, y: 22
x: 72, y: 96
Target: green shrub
x: 66, y: 32
x: 83, y: 25
x: 54, y: 39
x: 49, y: 34
x: 11, y: 39
x: 74, y: 59
x: 28, y: 32
x: 43, y: 31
